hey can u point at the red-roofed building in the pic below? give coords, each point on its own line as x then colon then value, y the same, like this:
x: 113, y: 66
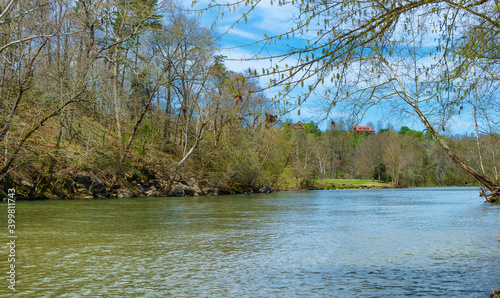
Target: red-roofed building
x: 363, y: 129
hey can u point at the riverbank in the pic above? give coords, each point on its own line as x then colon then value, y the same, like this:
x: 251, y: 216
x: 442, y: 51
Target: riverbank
x: 87, y: 185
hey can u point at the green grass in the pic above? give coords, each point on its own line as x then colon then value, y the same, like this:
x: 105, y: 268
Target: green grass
x: 349, y: 183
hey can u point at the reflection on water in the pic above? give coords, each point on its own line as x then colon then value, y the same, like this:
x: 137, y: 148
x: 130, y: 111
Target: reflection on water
x: 370, y: 243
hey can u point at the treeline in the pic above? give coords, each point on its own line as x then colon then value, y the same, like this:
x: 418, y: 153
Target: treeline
x: 134, y: 93
x: 286, y: 158
x: 404, y: 158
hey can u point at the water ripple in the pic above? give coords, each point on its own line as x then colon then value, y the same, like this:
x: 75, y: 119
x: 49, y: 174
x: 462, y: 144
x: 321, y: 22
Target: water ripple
x: 371, y: 243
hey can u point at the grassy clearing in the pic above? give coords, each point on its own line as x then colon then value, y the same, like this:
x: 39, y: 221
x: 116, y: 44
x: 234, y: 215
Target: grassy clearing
x: 288, y: 182
x: 349, y: 183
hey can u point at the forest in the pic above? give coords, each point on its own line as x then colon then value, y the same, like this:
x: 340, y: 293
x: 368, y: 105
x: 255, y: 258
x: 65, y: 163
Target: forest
x: 132, y: 98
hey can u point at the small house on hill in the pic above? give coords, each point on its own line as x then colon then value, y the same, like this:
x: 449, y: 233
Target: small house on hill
x: 363, y: 129
x: 297, y: 126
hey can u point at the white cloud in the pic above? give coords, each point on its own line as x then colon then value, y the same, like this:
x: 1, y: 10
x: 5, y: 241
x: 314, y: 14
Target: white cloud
x: 242, y: 34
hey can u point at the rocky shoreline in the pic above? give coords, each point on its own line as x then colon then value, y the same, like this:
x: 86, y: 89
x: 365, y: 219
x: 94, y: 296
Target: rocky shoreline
x: 87, y: 185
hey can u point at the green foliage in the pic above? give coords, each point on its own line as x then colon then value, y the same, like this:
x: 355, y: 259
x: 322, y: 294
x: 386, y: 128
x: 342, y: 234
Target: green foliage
x: 312, y: 128
x: 286, y: 125
x: 407, y: 131
x: 245, y: 161
x: 146, y: 128
x: 404, y: 130
x: 380, y: 173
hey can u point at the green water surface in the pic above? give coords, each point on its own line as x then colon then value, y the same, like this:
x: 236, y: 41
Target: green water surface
x: 341, y: 243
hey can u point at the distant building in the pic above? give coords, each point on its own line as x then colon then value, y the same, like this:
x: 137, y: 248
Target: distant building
x: 297, y: 126
x: 363, y: 129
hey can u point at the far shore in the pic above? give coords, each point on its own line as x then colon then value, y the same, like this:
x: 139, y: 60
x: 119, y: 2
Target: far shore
x: 291, y: 185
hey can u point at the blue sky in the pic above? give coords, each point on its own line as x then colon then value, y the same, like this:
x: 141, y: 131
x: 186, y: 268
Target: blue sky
x: 240, y: 42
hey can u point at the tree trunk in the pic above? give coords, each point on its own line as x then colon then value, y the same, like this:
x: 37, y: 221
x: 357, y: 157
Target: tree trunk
x: 116, y: 100
x: 489, y: 190
x: 136, y: 127
x: 200, y: 130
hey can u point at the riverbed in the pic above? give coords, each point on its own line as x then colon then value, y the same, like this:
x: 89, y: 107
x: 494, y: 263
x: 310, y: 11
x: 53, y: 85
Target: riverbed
x: 339, y: 243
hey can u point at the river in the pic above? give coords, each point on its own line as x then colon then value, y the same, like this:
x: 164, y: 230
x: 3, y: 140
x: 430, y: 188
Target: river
x: 340, y: 243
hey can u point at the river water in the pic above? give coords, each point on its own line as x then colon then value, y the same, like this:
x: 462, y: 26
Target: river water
x: 340, y: 243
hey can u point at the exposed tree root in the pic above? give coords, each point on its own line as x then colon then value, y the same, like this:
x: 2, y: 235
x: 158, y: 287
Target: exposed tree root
x: 492, y: 195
